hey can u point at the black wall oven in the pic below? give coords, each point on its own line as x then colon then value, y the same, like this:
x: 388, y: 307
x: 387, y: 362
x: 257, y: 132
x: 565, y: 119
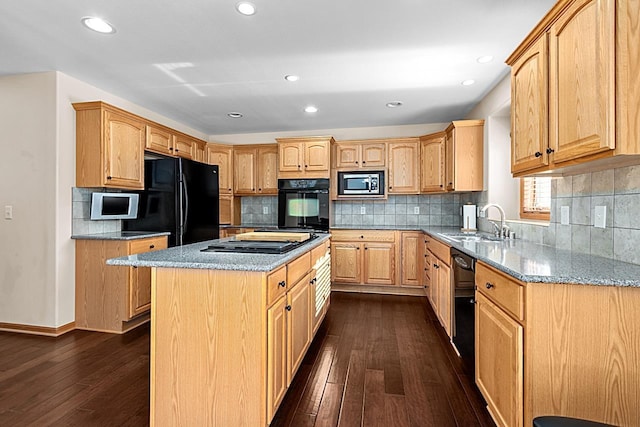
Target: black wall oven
x: 303, y: 203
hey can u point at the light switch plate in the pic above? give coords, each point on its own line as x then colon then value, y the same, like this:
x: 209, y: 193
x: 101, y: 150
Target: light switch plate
x: 265, y: 210
x: 564, y: 215
x: 416, y: 210
x: 600, y: 217
x: 8, y: 212
x: 363, y: 210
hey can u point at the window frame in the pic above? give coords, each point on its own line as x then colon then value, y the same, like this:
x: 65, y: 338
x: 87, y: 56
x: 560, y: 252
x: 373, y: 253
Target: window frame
x: 535, y: 215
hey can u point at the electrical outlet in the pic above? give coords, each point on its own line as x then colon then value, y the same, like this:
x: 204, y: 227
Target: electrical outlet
x: 265, y: 210
x: 8, y: 212
x: 564, y: 215
x: 416, y: 210
x: 363, y: 210
x: 600, y: 219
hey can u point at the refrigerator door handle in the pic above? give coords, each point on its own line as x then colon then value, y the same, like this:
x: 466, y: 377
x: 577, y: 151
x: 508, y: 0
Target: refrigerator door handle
x: 186, y: 203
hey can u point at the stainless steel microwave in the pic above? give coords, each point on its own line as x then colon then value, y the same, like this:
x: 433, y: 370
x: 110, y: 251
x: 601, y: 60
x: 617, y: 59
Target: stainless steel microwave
x: 369, y: 183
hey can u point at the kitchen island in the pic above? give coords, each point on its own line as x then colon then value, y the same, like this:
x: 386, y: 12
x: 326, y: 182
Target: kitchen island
x: 229, y: 330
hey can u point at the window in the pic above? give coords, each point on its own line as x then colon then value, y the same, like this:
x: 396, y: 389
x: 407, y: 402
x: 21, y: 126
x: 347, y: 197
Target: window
x: 535, y: 198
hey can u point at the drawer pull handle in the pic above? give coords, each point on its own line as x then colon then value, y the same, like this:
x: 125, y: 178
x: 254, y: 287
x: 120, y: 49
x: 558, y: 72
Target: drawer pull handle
x: 489, y: 285
x: 288, y: 308
x: 282, y: 284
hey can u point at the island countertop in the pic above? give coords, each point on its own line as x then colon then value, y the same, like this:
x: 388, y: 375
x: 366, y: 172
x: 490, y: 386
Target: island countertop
x: 191, y: 256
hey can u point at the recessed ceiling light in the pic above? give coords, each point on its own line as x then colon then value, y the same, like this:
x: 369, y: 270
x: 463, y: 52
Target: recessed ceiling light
x: 235, y: 115
x: 310, y: 109
x: 394, y: 104
x: 291, y: 78
x: 468, y: 82
x: 485, y: 59
x: 98, y: 24
x: 246, y: 8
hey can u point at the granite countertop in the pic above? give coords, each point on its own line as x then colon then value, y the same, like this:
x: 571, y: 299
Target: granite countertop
x: 535, y: 263
x: 191, y: 256
x: 121, y: 235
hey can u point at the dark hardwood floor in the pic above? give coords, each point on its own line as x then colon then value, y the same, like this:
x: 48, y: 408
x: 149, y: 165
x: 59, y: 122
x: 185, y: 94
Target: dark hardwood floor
x: 377, y: 360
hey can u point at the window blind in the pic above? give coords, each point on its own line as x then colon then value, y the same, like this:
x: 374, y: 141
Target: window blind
x: 536, y: 195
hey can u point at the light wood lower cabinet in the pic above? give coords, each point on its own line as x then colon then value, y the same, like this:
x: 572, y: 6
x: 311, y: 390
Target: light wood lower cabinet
x: 411, y: 259
x: 276, y: 355
x: 440, y: 291
x: 112, y: 298
x: 299, y: 319
x: 363, y: 257
x: 556, y: 349
x: 379, y: 263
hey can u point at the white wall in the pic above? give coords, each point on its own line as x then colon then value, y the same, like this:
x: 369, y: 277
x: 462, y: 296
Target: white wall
x: 500, y: 186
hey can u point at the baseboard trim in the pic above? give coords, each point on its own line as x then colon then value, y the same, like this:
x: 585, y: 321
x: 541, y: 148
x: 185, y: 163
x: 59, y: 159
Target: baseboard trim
x: 37, y: 330
x: 384, y: 290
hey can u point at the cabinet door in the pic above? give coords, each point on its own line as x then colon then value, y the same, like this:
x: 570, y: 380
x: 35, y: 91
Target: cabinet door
x: 373, y: 155
x: 276, y: 355
x: 411, y: 259
x: 268, y: 170
x: 290, y: 156
x: 185, y: 147
x: 582, y: 80
x: 529, y: 105
x: 124, y: 141
x: 345, y: 262
x: 223, y: 157
x: 379, y: 263
x: 298, y: 326
x: 159, y: 140
x: 140, y: 277
x: 316, y: 156
x: 427, y: 272
x: 432, y: 167
x: 445, y: 299
x: 199, y: 151
x: 347, y: 155
x: 499, y: 362
x: 433, y: 286
x: 449, y: 156
x: 403, y: 168
x: 225, y: 212
x: 244, y: 176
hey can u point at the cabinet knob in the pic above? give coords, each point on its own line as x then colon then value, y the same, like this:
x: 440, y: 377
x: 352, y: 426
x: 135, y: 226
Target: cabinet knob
x: 365, y: 248
x: 177, y: 150
x: 288, y: 308
x: 170, y: 148
x: 259, y: 189
x: 253, y: 189
x: 357, y: 162
x: 152, y: 246
x: 390, y: 188
x: 135, y: 266
x: 229, y: 189
x: 282, y: 284
x: 550, y: 150
x: 441, y: 186
x: 489, y: 285
x: 362, y: 237
x: 108, y: 177
x: 298, y: 166
x: 538, y: 154
x: 363, y: 162
x: 436, y: 266
x: 305, y: 166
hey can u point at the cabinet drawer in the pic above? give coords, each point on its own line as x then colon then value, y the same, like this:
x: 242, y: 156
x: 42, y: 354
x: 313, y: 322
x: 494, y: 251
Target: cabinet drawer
x: 276, y: 284
x: 318, y: 252
x: 297, y: 268
x: 362, y: 236
x: 147, y: 245
x: 440, y: 250
x: 501, y: 289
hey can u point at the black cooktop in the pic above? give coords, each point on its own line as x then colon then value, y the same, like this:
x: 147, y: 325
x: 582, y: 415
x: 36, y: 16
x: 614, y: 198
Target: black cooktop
x: 255, y: 246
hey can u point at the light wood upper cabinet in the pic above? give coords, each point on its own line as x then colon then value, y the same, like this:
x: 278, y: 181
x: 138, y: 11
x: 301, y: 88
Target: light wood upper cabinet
x: 352, y: 155
x: 222, y: 155
x: 581, y: 65
x: 109, y: 147
x: 255, y: 169
x: 529, y: 108
x: 432, y: 167
x: 200, y: 153
x: 464, y: 155
x: 582, y: 84
x: 304, y: 157
x: 159, y: 140
x: 185, y: 147
x: 404, y: 161
x: 267, y: 179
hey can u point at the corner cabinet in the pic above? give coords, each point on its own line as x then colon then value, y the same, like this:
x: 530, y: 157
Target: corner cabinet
x: 109, y: 147
x: 112, y: 298
x: 432, y: 163
x: 304, y: 157
x: 581, y: 65
x: 403, y: 160
x: 464, y: 156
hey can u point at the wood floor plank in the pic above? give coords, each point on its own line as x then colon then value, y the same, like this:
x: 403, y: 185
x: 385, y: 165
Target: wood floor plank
x: 353, y: 398
x: 330, y: 406
x: 395, y: 411
x: 373, y: 411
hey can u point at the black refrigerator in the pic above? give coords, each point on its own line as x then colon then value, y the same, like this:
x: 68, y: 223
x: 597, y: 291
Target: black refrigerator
x: 181, y: 197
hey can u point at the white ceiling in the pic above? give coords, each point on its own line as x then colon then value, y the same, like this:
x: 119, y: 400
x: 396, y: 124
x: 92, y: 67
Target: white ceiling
x: 194, y: 61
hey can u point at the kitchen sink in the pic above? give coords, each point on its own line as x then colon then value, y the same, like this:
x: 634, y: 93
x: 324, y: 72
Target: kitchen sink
x: 469, y: 237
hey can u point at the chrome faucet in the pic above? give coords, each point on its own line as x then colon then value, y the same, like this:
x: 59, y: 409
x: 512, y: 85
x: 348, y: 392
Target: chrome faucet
x: 501, y: 230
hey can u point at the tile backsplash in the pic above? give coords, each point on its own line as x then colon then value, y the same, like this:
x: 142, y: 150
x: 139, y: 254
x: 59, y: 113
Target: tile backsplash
x: 259, y: 210
x: 81, y: 222
x: 618, y: 190
x: 416, y: 210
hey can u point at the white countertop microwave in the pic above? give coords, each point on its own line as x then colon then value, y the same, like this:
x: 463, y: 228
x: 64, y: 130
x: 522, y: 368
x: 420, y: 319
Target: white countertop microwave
x: 114, y: 206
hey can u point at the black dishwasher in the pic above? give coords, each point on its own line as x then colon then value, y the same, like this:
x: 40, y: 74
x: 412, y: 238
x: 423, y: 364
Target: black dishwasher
x: 464, y: 308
